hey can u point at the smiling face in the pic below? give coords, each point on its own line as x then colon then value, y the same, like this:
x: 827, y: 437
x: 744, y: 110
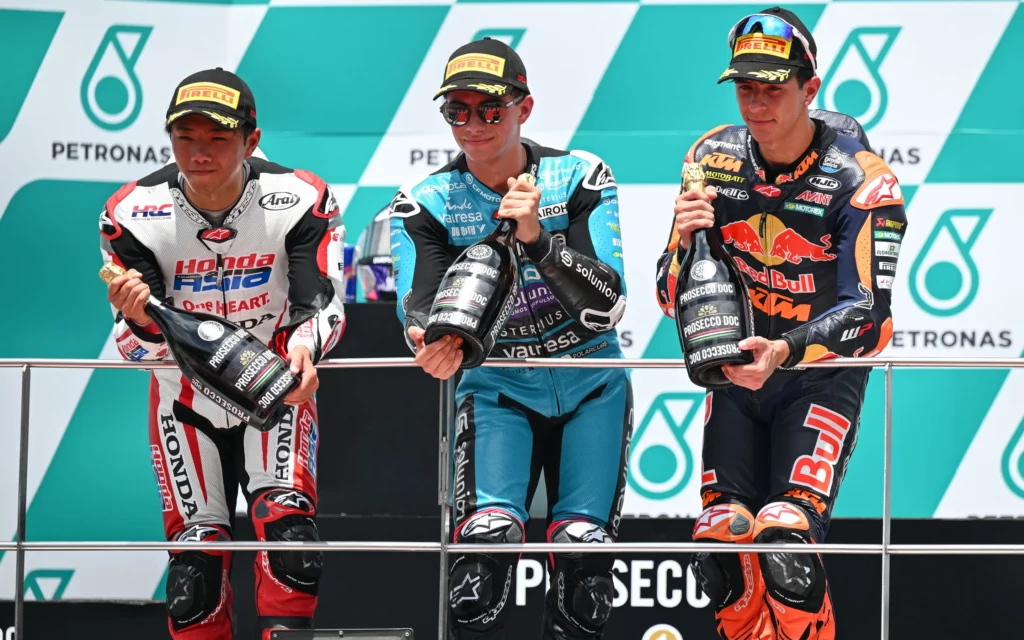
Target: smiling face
x: 486, y: 143
x: 208, y: 155
x: 773, y: 111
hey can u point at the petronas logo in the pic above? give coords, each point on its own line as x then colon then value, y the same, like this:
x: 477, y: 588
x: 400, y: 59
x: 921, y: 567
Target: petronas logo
x: 944, y: 278
x: 854, y: 84
x: 661, y: 463
x: 111, y: 93
x: 1013, y: 462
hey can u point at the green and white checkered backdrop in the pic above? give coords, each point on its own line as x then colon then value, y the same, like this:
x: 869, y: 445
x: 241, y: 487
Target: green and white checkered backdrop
x: 344, y: 89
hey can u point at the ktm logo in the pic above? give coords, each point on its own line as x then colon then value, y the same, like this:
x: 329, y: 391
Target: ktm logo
x: 805, y: 165
x: 776, y: 304
x: 723, y: 161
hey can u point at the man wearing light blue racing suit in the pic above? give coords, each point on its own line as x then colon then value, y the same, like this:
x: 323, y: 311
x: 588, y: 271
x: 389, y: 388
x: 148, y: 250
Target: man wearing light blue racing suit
x: 512, y: 422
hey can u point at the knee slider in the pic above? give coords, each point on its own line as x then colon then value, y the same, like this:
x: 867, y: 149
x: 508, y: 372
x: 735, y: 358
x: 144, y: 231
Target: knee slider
x: 795, y: 579
x: 288, y: 516
x: 722, y: 575
x: 480, y: 583
x: 196, y: 580
x: 583, y: 581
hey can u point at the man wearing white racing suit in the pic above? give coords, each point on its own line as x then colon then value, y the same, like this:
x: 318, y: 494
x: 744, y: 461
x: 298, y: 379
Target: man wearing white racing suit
x: 223, y: 232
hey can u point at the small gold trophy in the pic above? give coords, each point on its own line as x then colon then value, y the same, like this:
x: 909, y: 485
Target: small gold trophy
x: 693, y: 177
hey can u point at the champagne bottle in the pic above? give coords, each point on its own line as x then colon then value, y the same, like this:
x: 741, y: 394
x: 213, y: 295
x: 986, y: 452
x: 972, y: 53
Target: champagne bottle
x: 712, y: 304
x: 478, y: 292
x: 225, y: 362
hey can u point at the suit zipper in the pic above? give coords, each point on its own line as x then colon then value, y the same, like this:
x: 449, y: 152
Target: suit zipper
x: 762, y: 227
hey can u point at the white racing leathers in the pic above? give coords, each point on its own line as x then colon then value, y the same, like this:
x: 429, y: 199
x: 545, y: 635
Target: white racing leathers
x: 274, y: 267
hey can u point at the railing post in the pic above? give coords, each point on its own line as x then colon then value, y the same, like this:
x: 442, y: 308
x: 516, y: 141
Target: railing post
x: 19, y: 558
x: 444, y: 427
x: 886, y: 500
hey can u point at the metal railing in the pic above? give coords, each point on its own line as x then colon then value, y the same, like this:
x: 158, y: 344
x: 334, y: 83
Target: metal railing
x: 446, y: 405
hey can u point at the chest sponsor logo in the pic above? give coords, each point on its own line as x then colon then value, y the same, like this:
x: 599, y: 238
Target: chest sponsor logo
x: 153, y: 212
x: 786, y: 245
x: 237, y: 272
x: 723, y: 161
x: 552, y: 210
x: 823, y: 182
x: 734, y: 194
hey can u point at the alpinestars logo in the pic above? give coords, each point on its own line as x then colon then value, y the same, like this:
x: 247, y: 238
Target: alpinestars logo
x: 403, y: 206
x: 293, y: 499
x: 467, y: 591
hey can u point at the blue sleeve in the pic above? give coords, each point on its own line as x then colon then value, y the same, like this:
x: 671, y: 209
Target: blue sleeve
x: 419, y: 251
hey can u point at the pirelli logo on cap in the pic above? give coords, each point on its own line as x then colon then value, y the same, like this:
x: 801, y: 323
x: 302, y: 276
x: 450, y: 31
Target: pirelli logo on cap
x: 760, y: 43
x: 476, y: 62
x: 208, y: 92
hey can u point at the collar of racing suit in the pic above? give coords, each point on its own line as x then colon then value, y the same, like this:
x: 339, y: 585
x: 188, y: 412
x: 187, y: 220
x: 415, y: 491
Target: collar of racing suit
x: 823, y: 138
x: 462, y: 165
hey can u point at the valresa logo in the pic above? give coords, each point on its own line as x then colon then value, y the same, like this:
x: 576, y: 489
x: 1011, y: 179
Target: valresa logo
x: 152, y: 211
x: 279, y: 200
x: 240, y: 272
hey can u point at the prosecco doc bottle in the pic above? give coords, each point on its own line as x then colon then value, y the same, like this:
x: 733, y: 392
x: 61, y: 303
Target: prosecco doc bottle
x: 223, y: 361
x: 712, y: 304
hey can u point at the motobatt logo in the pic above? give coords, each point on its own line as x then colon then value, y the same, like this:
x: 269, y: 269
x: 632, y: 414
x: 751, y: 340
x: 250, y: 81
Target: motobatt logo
x: 817, y: 470
x: 483, y: 62
x: 786, y: 244
x: 762, y: 44
x: 239, y: 272
x: 723, y: 177
x: 723, y: 161
x: 208, y: 92
x: 153, y: 211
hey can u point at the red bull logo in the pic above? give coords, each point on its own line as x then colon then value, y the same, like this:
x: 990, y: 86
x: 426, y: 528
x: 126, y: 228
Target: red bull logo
x: 786, y: 245
x: 776, y: 279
